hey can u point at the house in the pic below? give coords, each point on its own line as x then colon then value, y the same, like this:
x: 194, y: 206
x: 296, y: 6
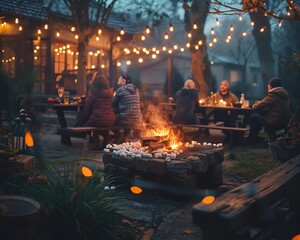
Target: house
x: 38, y: 35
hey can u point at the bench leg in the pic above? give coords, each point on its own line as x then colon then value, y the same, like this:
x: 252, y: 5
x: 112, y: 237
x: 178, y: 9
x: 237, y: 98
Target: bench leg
x: 66, y: 140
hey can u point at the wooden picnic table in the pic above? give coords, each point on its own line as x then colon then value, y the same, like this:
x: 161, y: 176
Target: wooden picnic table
x: 60, y: 109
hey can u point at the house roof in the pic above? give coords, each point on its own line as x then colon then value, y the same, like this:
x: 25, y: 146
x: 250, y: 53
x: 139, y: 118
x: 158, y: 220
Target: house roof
x: 39, y: 9
x: 27, y: 8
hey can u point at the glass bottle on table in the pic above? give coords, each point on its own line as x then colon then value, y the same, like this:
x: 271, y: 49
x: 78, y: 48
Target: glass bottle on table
x: 242, y: 100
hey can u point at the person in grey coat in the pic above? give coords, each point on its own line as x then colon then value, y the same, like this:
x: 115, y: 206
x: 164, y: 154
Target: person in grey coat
x: 126, y: 104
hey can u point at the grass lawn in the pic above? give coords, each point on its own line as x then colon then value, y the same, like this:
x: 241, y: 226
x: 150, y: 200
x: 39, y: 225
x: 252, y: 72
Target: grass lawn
x: 250, y: 165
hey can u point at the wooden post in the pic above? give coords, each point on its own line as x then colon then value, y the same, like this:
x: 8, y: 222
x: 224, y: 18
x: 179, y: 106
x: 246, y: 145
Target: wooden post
x: 170, y: 69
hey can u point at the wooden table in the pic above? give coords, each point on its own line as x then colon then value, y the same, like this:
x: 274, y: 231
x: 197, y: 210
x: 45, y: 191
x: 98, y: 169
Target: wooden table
x: 208, y: 110
x: 60, y: 109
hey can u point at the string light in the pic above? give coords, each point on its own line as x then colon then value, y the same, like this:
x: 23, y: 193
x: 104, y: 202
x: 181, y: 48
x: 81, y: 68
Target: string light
x: 76, y: 36
x: 280, y: 23
x: 143, y: 38
x: 215, y: 40
x: 17, y: 21
x: 46, y: 26
x: 97, y: 38
x: 122, y: 32
x: 171, y: 28
x: 182, y: 49
x: 244, y: 34
x: 39, y: 32
x: 196, y: 47
x: 153, y: 56
x: 175, y: 47
x: 140, y: 60
x: 119, y: 64
x: 252, y: 23
x: 166, y: 36
x: 164, y: 49
x: 188, y: 45
x: 189, y: 35
x: 262, y: 29
x: 210, y: 44
x: 231, y: 28
x: 118, y: 38
x: 200, y: 42
x: 195, y: 26
x: 240, y: 18
x: 212, y: 31
x: 99, y: 31
x: 57, y: 34
x: 147, y: 30
x: 217, y: 22
x: 128, y: 62
x: 72, y: 29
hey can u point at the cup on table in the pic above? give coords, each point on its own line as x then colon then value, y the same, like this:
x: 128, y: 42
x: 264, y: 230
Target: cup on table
x: 66, y: 97
x: 246, y: 104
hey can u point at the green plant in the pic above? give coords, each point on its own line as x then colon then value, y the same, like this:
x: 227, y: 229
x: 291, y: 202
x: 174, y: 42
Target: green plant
x: 76, y: 207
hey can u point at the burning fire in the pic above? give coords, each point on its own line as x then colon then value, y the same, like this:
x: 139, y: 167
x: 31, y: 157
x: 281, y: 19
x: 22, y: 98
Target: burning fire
x: 165, y: 135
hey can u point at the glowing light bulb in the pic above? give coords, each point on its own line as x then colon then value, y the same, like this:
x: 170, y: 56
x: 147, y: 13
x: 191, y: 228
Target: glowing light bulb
x: 217, y: 22
x: 99, y: 31
x: 244, y: 34
x: 20, y: 28
x: 188, y: 45
x: 147, y: 30
x: 262, y: 29
x: 212, y: 31
x: 240, y: 18
x: 195, y: 26
x: 118, y: 38
x: 231, y: 28
x: 143, y: 38
x: 171, y: 28
x: 46, y: 26
x: 166, y: 36
x: 17, y: 21
x: 189, y: 35
x: 252, y: 23
x: 140, y: 60
x: 57, y: 34
x: 72, y: 29
x: 200, y: 42
x: 122, y: 32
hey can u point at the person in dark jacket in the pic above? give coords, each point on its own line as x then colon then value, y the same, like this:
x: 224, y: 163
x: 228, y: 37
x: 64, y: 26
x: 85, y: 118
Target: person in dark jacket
x: 98, y: 111
x: 221, y: 115
x: 276, y: 109
x: 186, y: 100
x: 126, y: 105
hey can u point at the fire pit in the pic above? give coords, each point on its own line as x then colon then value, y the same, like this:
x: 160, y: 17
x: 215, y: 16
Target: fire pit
x: 161, y: 156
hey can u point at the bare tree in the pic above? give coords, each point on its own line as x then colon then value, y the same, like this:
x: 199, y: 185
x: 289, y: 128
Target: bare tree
x: 87, y: 16
x: 199, y: 58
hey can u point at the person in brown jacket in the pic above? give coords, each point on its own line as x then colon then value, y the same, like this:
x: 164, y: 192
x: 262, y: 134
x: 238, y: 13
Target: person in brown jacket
x: 276, y: 108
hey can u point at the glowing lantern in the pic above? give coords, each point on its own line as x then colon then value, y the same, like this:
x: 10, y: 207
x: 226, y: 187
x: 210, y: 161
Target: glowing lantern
x: 29, y: 139
x: 208, y: 200
x: 22, y: 137
x: 136, y: 190
x: 86, y: 171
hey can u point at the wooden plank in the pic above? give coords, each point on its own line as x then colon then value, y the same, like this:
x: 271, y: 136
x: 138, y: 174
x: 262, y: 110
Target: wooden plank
x: 247, y: 203
x: 199, y: 126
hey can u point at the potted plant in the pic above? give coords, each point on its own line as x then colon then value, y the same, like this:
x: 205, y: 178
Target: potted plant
x: 287, y: 147
x: 73, y: 208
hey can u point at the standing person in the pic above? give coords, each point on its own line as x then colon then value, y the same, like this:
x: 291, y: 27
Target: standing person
x: 186, y: 100
x: 127, y: 107
x: 276, y: 111
x: 98, y: 111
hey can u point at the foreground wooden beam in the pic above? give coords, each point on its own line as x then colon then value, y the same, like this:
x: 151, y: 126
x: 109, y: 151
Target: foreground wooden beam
x: 250, y: 203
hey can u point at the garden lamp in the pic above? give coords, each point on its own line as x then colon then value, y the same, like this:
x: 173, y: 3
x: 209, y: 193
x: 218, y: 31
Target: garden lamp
x: 22, y: 136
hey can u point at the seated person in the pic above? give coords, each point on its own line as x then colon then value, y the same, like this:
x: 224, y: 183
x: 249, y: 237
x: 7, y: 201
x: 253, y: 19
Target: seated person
x: 98, y: 111
x: 186, y: 100
x: 276, y: 108
x: 221, y: 115
x: 127, y: 107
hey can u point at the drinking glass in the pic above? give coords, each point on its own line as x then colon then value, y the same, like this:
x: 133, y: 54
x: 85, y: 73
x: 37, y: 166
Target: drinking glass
x: 246, y: 104
x: 66, y: 97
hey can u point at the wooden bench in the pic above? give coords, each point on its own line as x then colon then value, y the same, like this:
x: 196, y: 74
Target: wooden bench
x: 252, y: 204
x: 82, y: 132
x: 222, y: 128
